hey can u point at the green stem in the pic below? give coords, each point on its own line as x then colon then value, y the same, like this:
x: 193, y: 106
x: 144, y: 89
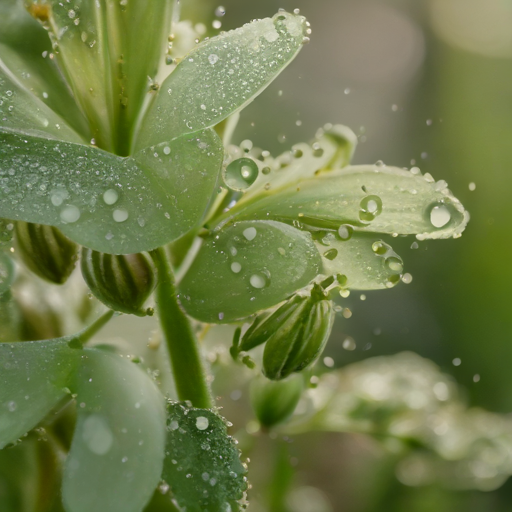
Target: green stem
x: 189, y: 372
x: 84, y: 336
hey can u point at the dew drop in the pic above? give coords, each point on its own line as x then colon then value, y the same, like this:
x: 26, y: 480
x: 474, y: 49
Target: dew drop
x: 440, y: 216
x: 407, y: 278
x: 120, y: 215
x: 69, y: 214
x: 11, y: 406
x: 370, y: 207
x: 394, y: 264
x: 236, y: 267
x: 97, y: 435
x: 472, y: 186
x: 349, y: 343
x: 174, y: 425
x: 241, y: 174
x: 258, y: 281
x: 220, y: 11
x: 110, y: 196
x: 250, y: 233
x: 331, y: 254
x: 345, y: 232
x: 213, y: 59
x: 202, y: 423
x: 167, y: 150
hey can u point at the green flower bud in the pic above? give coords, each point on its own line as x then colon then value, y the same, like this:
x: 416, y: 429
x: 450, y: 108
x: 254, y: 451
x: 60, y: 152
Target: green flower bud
x: 295, y: 334
x: 121, y: 282
x: 274, y: 402
x: 284, y: 355
x: 46, y: 251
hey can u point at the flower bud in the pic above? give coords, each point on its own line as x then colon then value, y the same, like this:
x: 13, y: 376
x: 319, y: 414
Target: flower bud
x: 295, y: 334
x: 46, y: 251
x: 305, y: 342
x: 274, y: 402
x: 121, y: 282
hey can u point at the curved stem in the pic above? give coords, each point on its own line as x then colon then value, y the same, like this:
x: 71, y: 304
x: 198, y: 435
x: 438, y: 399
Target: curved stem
x: 84, y: 336
x: 188, y: 369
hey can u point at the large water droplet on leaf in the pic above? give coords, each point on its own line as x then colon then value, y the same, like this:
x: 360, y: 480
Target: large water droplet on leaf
x: 241, y: 174
x: 440, y: 216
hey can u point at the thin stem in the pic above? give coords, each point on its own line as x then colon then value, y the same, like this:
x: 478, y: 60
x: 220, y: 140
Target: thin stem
x: 188, y: 370
x: 84, y: 336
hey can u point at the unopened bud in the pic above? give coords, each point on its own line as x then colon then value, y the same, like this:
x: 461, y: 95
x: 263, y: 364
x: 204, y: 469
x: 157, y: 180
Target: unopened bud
x: 274, y: 402
x: 46, y: 251
x: 121, y: 282
x: 284, y: 355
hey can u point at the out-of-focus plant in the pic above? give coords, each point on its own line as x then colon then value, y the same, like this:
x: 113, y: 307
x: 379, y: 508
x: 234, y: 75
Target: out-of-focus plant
x: 115, y: 135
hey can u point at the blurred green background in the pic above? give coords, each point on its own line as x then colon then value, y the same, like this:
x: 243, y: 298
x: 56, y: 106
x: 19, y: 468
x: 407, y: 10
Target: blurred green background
x: 426, y: 83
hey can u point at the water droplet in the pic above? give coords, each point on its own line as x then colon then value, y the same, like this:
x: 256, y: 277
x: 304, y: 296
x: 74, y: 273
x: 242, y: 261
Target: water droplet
x: 250, y: 233
x: 472, y: 186
x: 457, y: 361
x: 370, y: 207
x: 331, y: 254
x: 266, y: 170
x: 440, y: 216
x: 241, y: 174
x: 202, y: 423
x: 329, y: 362
x: 120, y: 215
x: 259, y: 281
x: 345, y: 232
x: 380, y: 247
x: 236, y: 267
x: 69, y: 214
x: 11, y: 406
x: 407, y: 278
x: 414, y: 245
x: 216, y: 24
x: 349, y: 343
x: 97, y: 434
x: 174, y: 425
x: 167, y: 150
x: 59, y: 196
x: 213, y: 59
x: 110, y: 196
x: 220, y: 11
x: 394, y: 264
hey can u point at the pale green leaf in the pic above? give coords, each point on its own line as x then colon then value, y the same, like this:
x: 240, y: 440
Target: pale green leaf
x: 108, y: 203
x: 247, y: 267
x: 360, y: 263
x: 221, y: 76
x: 26, y: 51
x: 116, y: 456
x: 332, y: 148
x: 78, y: 32
x: 23, y: 112
x: 34, y: 377
x: 202, y: 464
x: 371, y: 198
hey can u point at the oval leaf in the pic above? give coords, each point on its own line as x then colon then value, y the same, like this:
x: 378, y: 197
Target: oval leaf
x: 202, y: 464
x: 247, y: 267
x: 371, y: 198
x: 105, y: 202
x: 117, y: 452
x: 221, y: 76
x: 33, y: 379
x: 25, y: 50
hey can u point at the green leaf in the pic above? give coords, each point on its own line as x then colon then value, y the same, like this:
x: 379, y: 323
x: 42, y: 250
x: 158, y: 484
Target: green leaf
x: 79, y: 38
x: 33, y: 379
x: 221, y: 76
x: 26, y: 51
x: 116, y: 456
x: 360, y: 263
x: 247, y: 267
x: 7, y: 272
x: 332, y: 148
x: 202, y: 464
x: 370, y: 198
x: 23, y: 112
x: 105, y: 202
